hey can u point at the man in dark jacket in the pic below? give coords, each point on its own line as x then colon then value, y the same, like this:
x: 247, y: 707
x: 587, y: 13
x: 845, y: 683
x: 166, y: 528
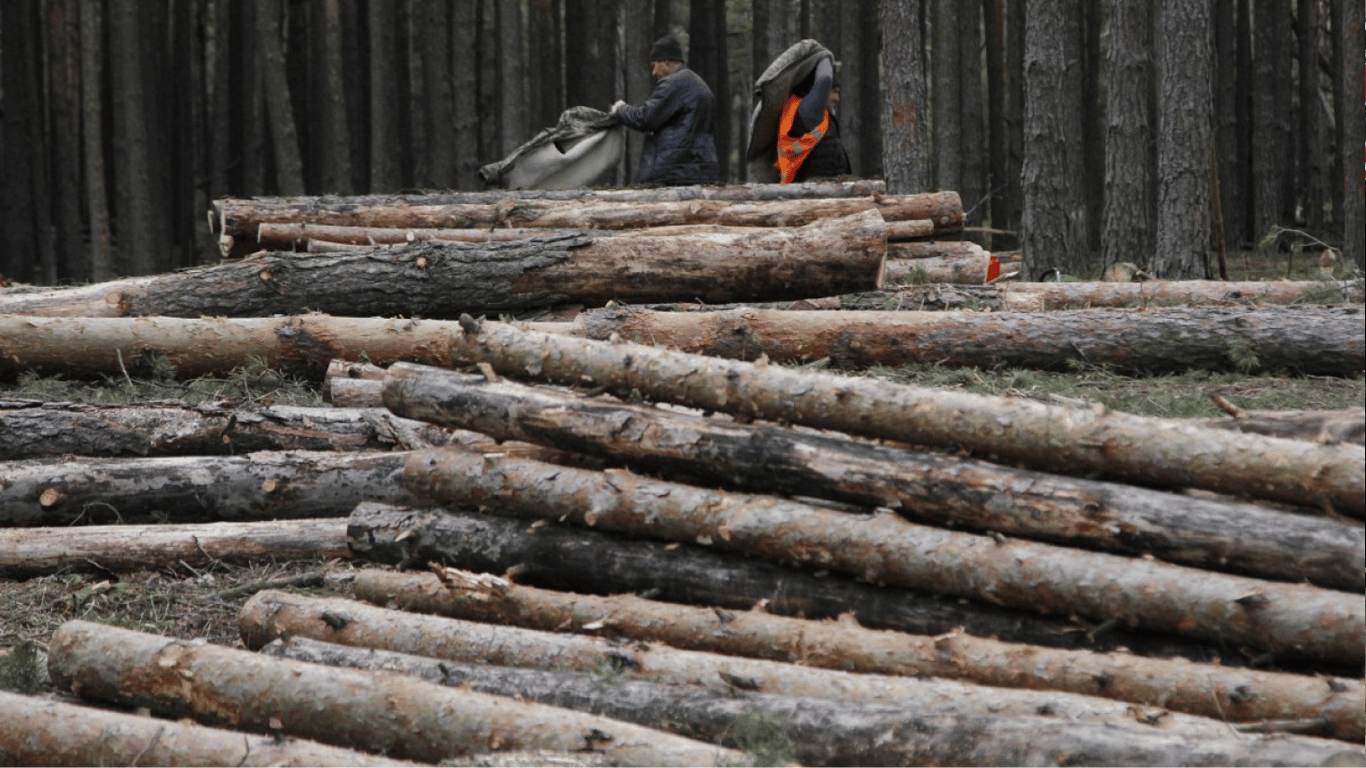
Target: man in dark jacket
x: 677, y: 120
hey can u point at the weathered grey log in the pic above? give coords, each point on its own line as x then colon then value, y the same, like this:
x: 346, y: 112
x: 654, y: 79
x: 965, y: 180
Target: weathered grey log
x: 1292, y: 619
x: 34, y: 429
x: 27, y: 552
x: 940, y: 490
x: 41, y: 731
x: 575, y: 559
x: 1199, y: 689
x: 378, y: 712
x: 1329, y: 341
x: 1053, y: 438
x: 833, y: 732
x: 263, y: 485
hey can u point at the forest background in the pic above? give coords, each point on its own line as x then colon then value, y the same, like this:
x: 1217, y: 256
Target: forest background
x: 1080, y: 132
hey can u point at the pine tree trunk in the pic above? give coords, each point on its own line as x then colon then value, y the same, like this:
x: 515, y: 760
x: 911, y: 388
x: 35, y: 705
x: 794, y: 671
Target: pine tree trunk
x: 1046, y: 437
x: 950, y: 492
x: 394, y: 715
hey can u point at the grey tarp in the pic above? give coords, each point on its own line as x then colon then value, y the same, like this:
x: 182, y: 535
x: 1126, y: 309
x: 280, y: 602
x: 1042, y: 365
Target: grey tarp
x: 585, y: 143
x: 771, y: 92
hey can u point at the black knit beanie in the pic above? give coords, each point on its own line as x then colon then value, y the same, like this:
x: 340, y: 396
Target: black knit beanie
x: 666, y: 49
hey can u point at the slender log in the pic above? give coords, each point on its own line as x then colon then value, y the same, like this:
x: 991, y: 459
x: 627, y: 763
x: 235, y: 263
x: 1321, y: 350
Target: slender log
x: 443, y: 279
x: 571, y: 558
x: 36, y: 429
x: 263, y: 485
x: 1198, y: 689
x: 1296, y: 620
x: 939, y: 490
x: 1040, y: 436
x: 31, y: 552
x: 832, y: 732
x: 1329, y: 341
x: 376, y: 712
x: 38, y: 731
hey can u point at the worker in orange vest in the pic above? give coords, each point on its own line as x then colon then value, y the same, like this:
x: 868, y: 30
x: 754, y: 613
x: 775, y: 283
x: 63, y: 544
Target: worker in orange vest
x: 809, y: 145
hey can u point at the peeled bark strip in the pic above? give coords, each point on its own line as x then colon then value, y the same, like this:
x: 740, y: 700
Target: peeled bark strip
x: 27, y: 552
x: 1198, y: 689
x: 263, y: 485
x: 952, y: 492
x: 1328, y: 341
x: 572, y: 558
x: 1068, y: 440
x: 35, y: 731
x: 36, y: 429
x: 1291, y: 619
x: 833, y: 732
x: 376, y: 712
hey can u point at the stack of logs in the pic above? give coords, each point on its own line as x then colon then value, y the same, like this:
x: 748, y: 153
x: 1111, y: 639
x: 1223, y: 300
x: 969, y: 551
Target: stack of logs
x: 681, y: 557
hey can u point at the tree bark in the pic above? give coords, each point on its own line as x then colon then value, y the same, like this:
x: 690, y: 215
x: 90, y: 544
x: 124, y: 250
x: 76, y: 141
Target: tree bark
x: 833, y: 732
x: 29, y: 552
x: 595, y: 562
x: 388, y: 714
x: 41, y: 731
x: 265, y: 485
x: 1046, y: 437
x: 938, y: 490
x: 1293, y: 620
x: 1198, y: 689
x: 1327, y: 341
x: 446, y: 279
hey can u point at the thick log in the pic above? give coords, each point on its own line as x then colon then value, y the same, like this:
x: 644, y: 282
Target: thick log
x: 445, y: 279
x: 1069, y: 440
x: 1295, y: 620
x: 39, y: 731
x: 263, y: 485
x: 383, y: 713
x: 939, y: 490
x: 1328, y: 341
x: 571, y: 558
x: 1198, y: 689
x: 31, y: 552
x: 832, y: 732
x: 36, y: 429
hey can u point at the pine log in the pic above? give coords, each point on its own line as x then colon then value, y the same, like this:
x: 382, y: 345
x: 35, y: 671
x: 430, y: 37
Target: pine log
x: 1294, y: 620
x: 1198, y: 689
x: 1069, y: 440
x: 833, y: 732
x: 572, y: 558
x: 1327, y: 341
x: 40, y: 731
x: 376, y: 712
x: 935, y: 489
x: 35, y: 429
x: 29, y: 552
x: 445, y: 279
x: 262, y: 485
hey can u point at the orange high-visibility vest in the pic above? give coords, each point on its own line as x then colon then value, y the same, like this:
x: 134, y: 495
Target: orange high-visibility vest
x: 793, y: 152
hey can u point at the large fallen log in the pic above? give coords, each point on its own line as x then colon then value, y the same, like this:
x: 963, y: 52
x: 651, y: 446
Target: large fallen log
x: 377, y: 712
x: 1070, y: 440
x: 1294, y: 620
x: 1199, y: 689
x: 940, y: 490
x: 263, y: 485
x: 40, y: 731
x: 572, y: 558
x: 444, y: 279
x: 1327, y: 341
x: 833, y: 732
x: 27, y: 552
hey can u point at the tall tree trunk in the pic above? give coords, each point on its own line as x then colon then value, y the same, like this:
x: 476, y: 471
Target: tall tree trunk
x: 1353, y: 136
x: 1271, y: 61
x: 905, y: 99
x: 1185, y: 146
x: 1130, y: 222
x: 284, y: 137
x: 99, y: 262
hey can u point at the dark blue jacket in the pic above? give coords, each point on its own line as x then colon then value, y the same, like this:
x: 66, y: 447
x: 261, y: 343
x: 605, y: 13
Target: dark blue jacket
x: 677, y: 121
